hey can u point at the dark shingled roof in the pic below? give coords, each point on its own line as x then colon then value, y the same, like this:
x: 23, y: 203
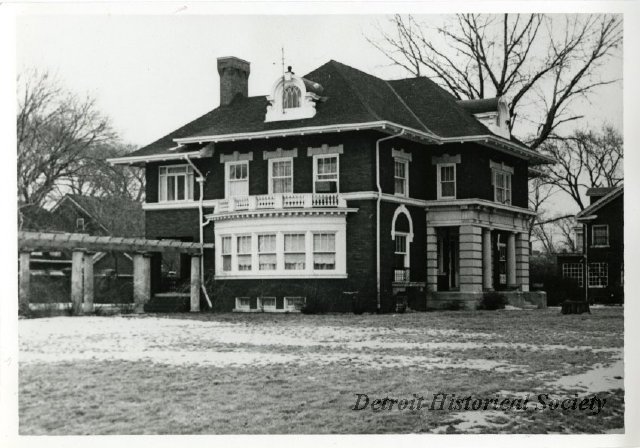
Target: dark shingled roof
x: 480, y: 105
x: 120, y: 216
x: 599, y: 191
x: 351, y: 96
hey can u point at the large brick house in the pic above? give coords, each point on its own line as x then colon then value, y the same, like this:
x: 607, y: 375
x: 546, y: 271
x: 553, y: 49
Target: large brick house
x: 600, y: 241
x: 338, y: 184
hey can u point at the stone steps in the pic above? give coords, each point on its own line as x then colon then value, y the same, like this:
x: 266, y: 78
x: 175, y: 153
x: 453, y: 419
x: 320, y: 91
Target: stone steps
x: 168, y: 303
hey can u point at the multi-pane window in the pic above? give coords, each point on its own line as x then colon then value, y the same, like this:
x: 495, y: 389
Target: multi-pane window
x: 324, y: 251
x: 502, y: 186
x: 176, y: 183
x: 244, y: 253
x: 401, y: 251
x: 281, y: 176
x: 226, y: 253
x: 447, y: 181
x: 573, y: 271
x: 267, y: 252
x: 267, y: 303
x: 294, y: 303
x: 237, y: 179
x: 579, y: 233
x: 243, y: 303
x: 598, y: 275
x: 291, y: 97
x: 401, y: 176
x: 600, y: 235
x: 326, y: 174
x: 294, y: 251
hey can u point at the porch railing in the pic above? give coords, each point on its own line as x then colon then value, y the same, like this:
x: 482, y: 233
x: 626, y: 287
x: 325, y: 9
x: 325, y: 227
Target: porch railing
x: 280, y: 201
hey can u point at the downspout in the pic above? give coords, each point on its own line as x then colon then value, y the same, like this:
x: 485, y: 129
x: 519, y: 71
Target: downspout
x: 378, y: 201
x: 201, y: 225
x: 585, y: 280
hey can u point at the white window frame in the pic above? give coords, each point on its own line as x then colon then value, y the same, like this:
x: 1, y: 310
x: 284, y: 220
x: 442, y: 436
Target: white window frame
x: 264, y: 308
x: 243, y: 308
x: 274, y: 252
x: 292, y: 308
x: 315, y: 170
x: 286, y: 97
x: 574, y: 271
x: 507, y: 176
x: 227, y: 254
x: 593, y: 235
x: 455, y: 180
x: 163, y: 179
x: 405, y: 179
x: 285, y: 252
x: 240, y: 254
x: 227, y: 176
x: 595, y: 281
x: 334, y: 252
x: 405, y: 236
x: 80, y: 224
x: 271, y: 178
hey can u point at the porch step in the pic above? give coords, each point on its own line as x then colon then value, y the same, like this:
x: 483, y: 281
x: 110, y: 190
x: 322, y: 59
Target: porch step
x: 168, y: 302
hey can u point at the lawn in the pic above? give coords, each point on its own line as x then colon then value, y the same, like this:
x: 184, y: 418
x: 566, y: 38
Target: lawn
x: 280, y: 374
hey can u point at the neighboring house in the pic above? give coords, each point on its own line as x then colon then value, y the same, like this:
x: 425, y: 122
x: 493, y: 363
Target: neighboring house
x: 600, y: 240
x: 340, y: 184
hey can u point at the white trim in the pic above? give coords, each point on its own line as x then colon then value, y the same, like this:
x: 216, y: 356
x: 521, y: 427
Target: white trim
x: 501, y: 167
x: 129, y: 160
x: 405, y: 162
x: 446, y: 159
x: 401, y: 154
x: 275, y: 108
x: 178, y: 205
x: 402, y: 209
x: 189, y: 183
x: 227, y: 167
x: 439, y: 167
x: 280, y: 154
x: 270, y: 173
x: 236, y: 156
x: 324, y: 150
x: 316, y: 157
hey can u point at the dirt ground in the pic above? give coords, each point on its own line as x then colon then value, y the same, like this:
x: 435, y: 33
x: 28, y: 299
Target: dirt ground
x: 69, y: 364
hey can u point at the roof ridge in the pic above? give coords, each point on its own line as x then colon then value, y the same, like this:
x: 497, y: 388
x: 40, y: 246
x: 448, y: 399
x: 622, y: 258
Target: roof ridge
x: 337, y: 66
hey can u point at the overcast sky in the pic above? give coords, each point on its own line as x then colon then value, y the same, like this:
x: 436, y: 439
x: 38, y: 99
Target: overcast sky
x: 152, y: 74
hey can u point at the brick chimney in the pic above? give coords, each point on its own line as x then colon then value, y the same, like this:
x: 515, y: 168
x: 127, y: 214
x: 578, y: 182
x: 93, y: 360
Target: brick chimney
x: 234, y: 78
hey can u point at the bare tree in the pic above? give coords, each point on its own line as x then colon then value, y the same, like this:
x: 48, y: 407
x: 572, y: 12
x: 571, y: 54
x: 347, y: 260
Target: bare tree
x: 585, y: 159
x: 541, y: 63
x: 55, y: 130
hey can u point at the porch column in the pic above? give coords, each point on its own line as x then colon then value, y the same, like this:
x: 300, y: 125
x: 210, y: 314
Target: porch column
x: 88, y: 282
x: 522, y: 261
x: 511, y: 260
x: 141, y: 281
x: 77, y: 280
x: 432, y: 259
x: 470, y: 259
x: 487, y: 260
x: 195, y: 283
x: 24, y: 280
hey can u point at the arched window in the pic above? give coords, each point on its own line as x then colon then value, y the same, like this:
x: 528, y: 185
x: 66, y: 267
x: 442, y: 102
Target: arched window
x: 402, y: 235
x: 291, y: 97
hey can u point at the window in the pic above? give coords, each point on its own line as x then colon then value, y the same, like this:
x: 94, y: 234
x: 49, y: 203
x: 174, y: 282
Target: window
x: 325, y: 174
x: 502, y: 187
x: 324, y: 251
x: 600, y: 235
x: 267, y: 303
x: 226, y: 253
x: 574, y: 271
x: 598, y: 275
x: 244, y: 253
x: 294, y: 303
x: 401, y: 251
x: 267, y: 252
x: 176, y: 183
x: 280, y: 176
x: 579, y: 239
x: 243, y: 303
x: 401, y: 175
x: 237, y: 179
x: 291, y: 97
x: 294, y: 252
x: 446, y: 181
x: 80, y: 224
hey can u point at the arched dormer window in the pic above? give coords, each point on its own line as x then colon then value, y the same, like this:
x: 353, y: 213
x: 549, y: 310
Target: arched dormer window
x: 292, y: 98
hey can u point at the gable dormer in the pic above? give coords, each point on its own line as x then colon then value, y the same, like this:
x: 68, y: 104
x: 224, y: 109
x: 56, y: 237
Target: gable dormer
x: 292, y: 98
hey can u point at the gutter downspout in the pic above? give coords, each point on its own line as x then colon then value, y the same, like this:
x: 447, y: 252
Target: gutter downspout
x: 201, y: 225
x: 378, y: 201
x: 585, y: 279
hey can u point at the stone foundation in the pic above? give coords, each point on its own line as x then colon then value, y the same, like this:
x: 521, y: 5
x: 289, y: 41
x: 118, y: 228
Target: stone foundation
x: 443, y: 300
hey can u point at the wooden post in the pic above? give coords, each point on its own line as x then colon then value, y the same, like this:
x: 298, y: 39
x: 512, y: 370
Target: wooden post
x: 195, y: 283
x: 88, y: 282
x: 24, y: 278
x: 141, y: 281
x: 77, y: 280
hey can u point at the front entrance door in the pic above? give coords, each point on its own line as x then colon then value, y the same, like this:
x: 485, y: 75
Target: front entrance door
x: 448, y: 260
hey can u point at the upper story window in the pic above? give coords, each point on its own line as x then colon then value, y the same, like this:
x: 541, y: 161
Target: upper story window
x: 291, y: 97
x: 237, y: 179
x: 600, y: 235
x: 401, y: 176
x: 579, y: 239
x: 446, y: 181
x: 281, y: 175
x: 325, y: 173
x: 80, y: 224
x: 176, y: 183
x: 501, y: 180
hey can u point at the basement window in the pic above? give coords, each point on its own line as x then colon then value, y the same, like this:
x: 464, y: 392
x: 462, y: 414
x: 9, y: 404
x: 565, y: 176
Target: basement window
x: 294, y: 303
x: 267, y: 303
x: 243, y: 303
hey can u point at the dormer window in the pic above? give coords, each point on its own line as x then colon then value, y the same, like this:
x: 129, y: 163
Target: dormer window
x: 292, y: 98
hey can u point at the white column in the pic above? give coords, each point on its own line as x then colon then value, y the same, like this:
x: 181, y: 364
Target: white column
x: 195, y: 283
x: 487, y: 260
x: 88, y: 283
x: 141, y: 281
x: 24, y: 277
x: 470, y: 258
x: 511, y: 260
x: 522, y: 261
x: 432, y: 259
x: 77, y: 280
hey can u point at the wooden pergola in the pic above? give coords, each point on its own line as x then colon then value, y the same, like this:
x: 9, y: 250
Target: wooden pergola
x: 83, y: 246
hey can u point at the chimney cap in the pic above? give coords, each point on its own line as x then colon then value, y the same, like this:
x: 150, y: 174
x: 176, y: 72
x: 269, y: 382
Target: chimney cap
x: 225, y: 62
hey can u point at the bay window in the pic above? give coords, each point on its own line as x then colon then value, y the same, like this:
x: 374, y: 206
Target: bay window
x: 244, y: 253
x: 226, y: 253
x: 325, y: 173
x: 175, y: 183
x: 267, y: 252
x: 294, y: 252
x: 281, y: 175
x: 324, y: 251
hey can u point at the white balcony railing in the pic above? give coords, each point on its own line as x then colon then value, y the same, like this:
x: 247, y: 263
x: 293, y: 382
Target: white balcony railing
x: 280, y: 201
